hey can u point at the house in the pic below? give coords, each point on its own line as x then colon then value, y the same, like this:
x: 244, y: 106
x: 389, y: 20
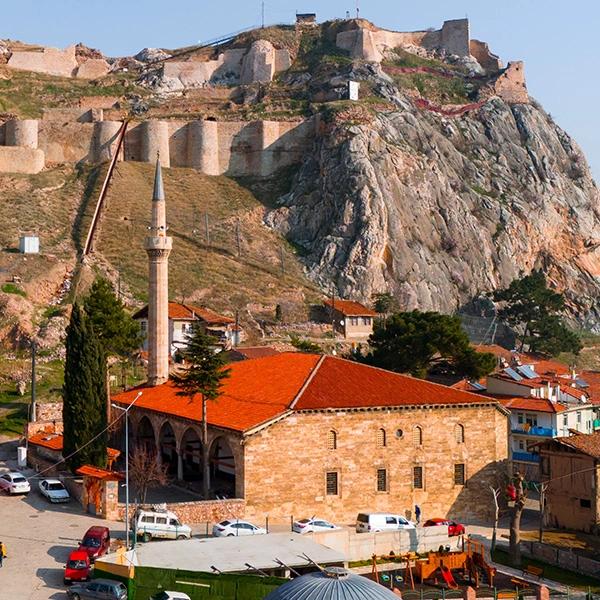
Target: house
x: 182, y: 319
x: 351, y: 319
x: 571, y: 468
x: 298, y: 434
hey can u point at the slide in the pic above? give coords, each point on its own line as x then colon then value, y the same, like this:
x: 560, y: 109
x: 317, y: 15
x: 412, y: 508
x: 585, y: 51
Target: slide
x: 447, y: 575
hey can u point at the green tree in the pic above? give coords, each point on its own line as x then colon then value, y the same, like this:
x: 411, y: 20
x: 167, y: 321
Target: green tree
x: 304, y: 345
x: 383, y: 303
x: 533, y: 310
x: 119, y: 334
x: 84, y: 404
x: 416, y: 342
x: 203, y: 375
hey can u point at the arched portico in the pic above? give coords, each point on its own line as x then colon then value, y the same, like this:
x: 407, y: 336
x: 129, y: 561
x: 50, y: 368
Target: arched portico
x: 167, y: 448
x: 191, y: 456
x: 222, y: 468
x: 145, y: 436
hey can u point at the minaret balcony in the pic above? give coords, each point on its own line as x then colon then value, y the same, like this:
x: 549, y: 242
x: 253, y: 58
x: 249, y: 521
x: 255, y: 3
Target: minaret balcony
x: 158, y: 243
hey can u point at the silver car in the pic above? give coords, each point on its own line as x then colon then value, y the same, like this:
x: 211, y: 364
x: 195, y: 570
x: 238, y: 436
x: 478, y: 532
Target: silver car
x: 54, y: 490
x: 107, y: 589
x: 14, y: 483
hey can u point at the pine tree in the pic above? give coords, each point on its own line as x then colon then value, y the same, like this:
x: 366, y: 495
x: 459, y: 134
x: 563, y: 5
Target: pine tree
x: 84, y: 404
x: 204, y: 376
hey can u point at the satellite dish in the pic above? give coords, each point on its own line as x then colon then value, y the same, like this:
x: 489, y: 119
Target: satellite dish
x: 342, y: 323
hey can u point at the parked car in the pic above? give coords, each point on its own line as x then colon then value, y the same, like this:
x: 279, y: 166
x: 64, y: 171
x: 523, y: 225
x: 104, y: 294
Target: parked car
x: 96, y: 542
x: 373, y: 522
x: 170, y: 596
x: 77, y: 567
x: 107, y: 589
x: 236, y: 528
x: 312, y: 525
x: 14, y: 483
x: 454, y: 528
x: 163, y: 524
x: 54, y: 490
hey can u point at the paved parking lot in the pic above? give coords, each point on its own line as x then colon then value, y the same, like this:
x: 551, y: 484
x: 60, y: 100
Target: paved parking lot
x: 38, y: 537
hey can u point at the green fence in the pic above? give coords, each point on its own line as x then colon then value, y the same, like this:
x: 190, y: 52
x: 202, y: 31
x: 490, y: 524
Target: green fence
x: 198, y: 586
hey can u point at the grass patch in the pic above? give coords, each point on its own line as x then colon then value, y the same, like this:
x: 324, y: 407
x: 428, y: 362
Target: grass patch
x: 558, y: 574
x: 483, y: 192
x: 407, y: 59
x: 317, y: 51
x: 442, y: 90
x: 11, y: 288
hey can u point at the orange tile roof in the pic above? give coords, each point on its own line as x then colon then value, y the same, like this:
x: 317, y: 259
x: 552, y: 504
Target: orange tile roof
x: 587, y: 443
x: 52, y: 441
x: 261, y: 389
x: 530, y: 403
x: 494, y: 349
x: 96, y: 473
x: 189, y: 312
x: 466, y: 386
x: 592, y: 378
x: 350, y: 308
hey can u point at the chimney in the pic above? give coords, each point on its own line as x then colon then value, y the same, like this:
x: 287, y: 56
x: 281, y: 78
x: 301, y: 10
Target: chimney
x: 158, y: 247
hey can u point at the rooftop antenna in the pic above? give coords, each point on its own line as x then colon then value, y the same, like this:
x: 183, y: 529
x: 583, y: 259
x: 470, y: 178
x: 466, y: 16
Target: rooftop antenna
x: 262, y: 14
x: 357, y: 10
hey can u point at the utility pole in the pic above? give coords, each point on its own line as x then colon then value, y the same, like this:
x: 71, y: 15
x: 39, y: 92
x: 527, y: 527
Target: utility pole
x: 357, y: 10
x: 207, y: 229
x: 281, y: 258
x: 237, y: 328
x: 262, y: 11
x: 33, y: 416
x: 237, y: 237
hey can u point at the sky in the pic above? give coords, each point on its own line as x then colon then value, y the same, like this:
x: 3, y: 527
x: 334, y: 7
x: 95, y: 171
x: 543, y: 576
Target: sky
x: 558, y: 40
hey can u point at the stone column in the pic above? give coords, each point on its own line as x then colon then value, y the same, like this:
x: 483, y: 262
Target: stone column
x: 105, y: 139
x: 180, y: 466
x: 22, y: 133
x: 155, y: 139
x: 203, y: 146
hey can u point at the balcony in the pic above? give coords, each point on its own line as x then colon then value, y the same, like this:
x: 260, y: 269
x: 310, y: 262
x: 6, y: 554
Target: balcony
x: 537, y: 431
x: 526, y: 457
x: 596, y: 424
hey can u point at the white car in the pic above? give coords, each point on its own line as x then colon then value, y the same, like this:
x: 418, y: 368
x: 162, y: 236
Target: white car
x: 54, y: 490
x: 14, y: 483
x: 313, y: 525
x: 170, y: 596
x: 236, y: 528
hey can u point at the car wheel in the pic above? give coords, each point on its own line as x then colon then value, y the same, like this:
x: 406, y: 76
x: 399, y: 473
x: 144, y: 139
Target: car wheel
x: 230, y: 535
x: 146, y: 537
x: 76, y: 597
x: 182, y: 537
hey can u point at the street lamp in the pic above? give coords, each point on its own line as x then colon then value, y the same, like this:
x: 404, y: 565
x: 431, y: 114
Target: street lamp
x: 126, y: 410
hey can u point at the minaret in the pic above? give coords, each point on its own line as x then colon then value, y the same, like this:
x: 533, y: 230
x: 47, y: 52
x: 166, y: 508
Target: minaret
x: 158, y: 247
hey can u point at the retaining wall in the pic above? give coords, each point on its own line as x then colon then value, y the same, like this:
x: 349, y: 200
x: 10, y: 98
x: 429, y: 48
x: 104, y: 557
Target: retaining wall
x: 15, y: 159
x: 561, y: 558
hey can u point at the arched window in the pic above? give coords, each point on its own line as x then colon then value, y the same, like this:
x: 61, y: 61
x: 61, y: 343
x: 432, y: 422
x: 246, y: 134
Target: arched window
x: 459, y: 433
x: 418, y: 436
x: 381, y: 438
x: 332, y: 440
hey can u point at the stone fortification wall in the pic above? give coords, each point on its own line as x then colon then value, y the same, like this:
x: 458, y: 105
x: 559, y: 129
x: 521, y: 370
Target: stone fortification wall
x: 215, y: 148
x: 62, y: 63
x: 481, y: 52
x: 511, y: 86
x: 370, y: 44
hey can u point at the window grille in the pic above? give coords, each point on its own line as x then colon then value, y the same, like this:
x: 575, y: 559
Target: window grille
x: 418, y: 478
x: 332, y: 440
x: 459, y: 432
x: 459, y: 474
x: 381, y: 480
x: 418, y: 436
x: 332, y: 483
x: 381, y: 438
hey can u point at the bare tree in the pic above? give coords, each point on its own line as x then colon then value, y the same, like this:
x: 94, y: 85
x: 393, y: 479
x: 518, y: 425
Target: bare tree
x: 145, y: 472
x: 520, y: 495
x: 495, y: 495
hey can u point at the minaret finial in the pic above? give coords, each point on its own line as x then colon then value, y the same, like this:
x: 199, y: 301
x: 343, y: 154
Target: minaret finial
x: 159, y: 192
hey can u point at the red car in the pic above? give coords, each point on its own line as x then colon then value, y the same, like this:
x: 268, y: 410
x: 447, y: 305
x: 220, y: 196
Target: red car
x: 96, y: 542
x: 77, y: 567
x: 454, y: 528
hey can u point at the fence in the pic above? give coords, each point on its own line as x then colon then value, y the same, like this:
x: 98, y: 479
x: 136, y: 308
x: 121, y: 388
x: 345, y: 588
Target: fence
x: 565, y: 559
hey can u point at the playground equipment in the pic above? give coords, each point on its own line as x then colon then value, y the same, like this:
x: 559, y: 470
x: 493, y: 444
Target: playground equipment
x: 408, y: 558
x: 471, y: 560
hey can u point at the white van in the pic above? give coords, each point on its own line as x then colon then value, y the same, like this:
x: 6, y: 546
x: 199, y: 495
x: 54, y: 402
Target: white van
x: 161, y: 524
x: 373, y: 522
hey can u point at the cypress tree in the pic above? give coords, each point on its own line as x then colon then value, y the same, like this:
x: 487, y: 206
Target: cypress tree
x: 84, y: 397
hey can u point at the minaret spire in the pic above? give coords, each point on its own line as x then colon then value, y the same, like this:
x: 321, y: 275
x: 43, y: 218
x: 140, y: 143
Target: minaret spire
x: 158, y: 247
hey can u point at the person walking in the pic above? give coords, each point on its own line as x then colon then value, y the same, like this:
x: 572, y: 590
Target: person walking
x: 417, y: 513
x: 2, y: 553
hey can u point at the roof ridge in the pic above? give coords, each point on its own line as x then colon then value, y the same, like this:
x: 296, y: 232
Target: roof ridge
x: 307, y: 381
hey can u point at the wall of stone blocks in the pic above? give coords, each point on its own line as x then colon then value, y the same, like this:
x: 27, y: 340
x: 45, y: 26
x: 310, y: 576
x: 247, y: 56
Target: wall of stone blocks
x: 49, y: 411
x: 511, y: 86
x: 51, y: 61
x: 14, y: 159
x: 481, y: 52
x: 273, y: 454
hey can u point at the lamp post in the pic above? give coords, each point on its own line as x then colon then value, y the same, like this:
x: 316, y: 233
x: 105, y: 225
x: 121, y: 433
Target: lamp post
x: 126, y: 410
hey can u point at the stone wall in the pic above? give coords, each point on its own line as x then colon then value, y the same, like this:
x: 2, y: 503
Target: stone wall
x: 481, y: 52
x: 15, y: 159
x: 511, y: 86
x: 50, y: 411
x: 280, y: 483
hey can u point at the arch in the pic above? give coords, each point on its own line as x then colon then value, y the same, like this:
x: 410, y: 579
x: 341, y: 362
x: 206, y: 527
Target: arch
x: 222, y: 468
x: 145, y: 436
x: 191, y: 454
x: 459, y: 433
x: 381, y: 438
x: 167, y: 448
x: 418, y: 435
x: 332, y: 439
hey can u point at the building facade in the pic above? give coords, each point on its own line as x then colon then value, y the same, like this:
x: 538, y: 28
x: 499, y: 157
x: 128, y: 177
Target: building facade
x: 299, y: 434
x: 350, y: 319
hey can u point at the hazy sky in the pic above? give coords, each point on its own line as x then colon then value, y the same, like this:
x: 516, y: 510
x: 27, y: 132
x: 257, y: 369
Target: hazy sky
x: 558, y: 40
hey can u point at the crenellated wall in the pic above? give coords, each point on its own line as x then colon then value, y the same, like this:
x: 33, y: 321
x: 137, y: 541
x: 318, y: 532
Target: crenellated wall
x: 234, y: 148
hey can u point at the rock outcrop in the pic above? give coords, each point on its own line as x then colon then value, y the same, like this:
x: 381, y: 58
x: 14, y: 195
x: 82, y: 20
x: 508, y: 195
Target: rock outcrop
x: 437, y: 209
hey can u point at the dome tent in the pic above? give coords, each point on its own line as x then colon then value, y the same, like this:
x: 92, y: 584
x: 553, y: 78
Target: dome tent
x: 334, y: 583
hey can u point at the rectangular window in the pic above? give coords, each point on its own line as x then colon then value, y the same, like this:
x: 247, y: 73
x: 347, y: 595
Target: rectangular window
x: 382, y: 480
x: 366, y: 320
x: 585, y: 503
x: 520, y: 418
x: 332, y: 483
x: 531, y: 420
x: 545, y: 466
x: 578, y: 417
x: 418, y: 478
x: 459, y: 474
x: 143, y: 326
x: 565, y: 420
x: 354, y: 321
x: 521, y: 445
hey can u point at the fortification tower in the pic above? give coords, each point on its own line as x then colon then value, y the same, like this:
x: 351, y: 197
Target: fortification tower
x: 158, y: 247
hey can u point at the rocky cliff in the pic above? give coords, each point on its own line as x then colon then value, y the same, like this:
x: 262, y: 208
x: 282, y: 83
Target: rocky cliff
x: 437, y: 208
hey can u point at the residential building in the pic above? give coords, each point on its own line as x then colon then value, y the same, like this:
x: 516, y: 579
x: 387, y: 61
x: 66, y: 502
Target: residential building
x: 302, y: 434
x: 184, y: 317
x: 571, y: 468
x: 350, y: 319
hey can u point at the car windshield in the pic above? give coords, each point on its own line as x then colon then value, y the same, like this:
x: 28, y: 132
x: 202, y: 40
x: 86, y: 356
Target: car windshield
x: 362, y: 518
x: 56, y: 487
x: 224, y: 523
x: 91, y: 542
x: 18, y: 479
x: 76, y: 564
x: 304, y: 521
